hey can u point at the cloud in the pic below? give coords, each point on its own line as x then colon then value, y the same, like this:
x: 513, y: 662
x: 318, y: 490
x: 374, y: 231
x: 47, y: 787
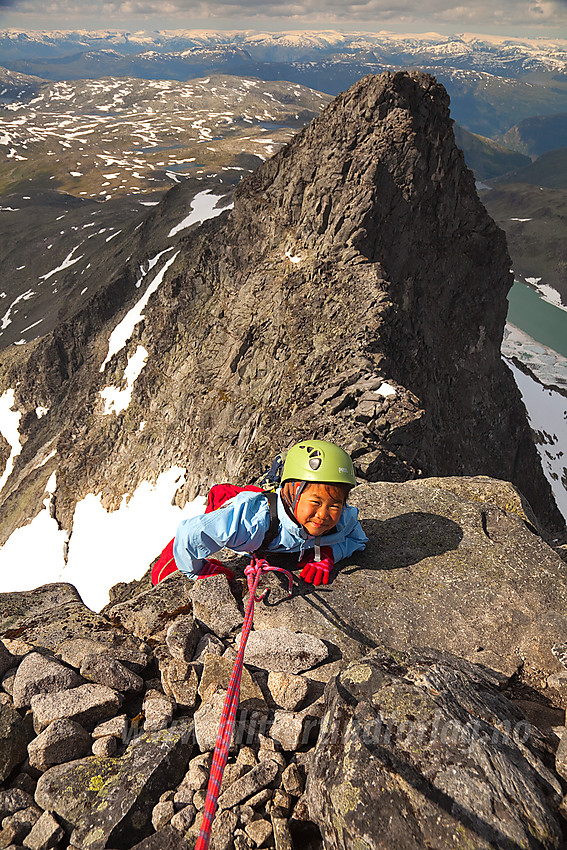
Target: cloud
x: 508, y: 12
x: 371, y: 15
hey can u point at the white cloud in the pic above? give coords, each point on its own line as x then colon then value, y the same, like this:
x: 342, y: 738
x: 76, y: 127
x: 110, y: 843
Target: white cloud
x: 427, y: 15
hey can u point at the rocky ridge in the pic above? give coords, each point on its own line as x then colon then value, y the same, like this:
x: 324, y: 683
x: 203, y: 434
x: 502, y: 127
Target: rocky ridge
x: 356, y: 291
x: 348, y: 733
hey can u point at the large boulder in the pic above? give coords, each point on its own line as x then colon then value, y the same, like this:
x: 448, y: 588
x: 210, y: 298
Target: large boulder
x: 40, y: 674
x: 451, y: 563
x: 151, y: 612
x: 13, y: 739
x: 108, y: 802
x: 419, y: 750
x: 54, y: 616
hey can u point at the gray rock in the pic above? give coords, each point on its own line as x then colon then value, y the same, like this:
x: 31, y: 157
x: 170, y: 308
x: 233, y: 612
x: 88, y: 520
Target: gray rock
x: 116, y: 726
x: 54, y: 614
x: 199, y: 798
x: 196, y: 777
x: 207, y: 719
x: 167, y: 838
x: 223, y: 828
x: 105, y: 747
x: 162, y: 814
x: 7, y: 660
x: 280, y: 649
x: 282, y: 835
x: 241, y: 840
x: 149, y: 614
x: 45, y: 833
x: 259, y: 831
x: 248, y: 785
x: 8, y: 680
x: 217, y: 672
x: 287, y: 690
x: 40, y: 674
x: 561, y: 757
x: 109, y: 671
x: 280, y: 804
x: 12, y: 800
x: 13, y: 740
x: 70, y: 790
x: 109, y: 802
x: 182, y: 637
x: 456, y: 550
x: 180, y: 681
x: 20, y: 606
x: 288, y: 730
x: 417, y: 746
x: 292, y: 780
x: 215, y: 606
x: 209, y: 644
x: 17, y: 826
x: 87, y: 705
x: 74, y: 651
x: 62, y: 741
x: 158, y: 711
x: 184, y: 818
x: 24, y: 782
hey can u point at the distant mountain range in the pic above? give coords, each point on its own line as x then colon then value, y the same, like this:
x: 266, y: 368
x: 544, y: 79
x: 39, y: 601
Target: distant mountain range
x: 494, y: 54
x: 494, y: 82
x: 156, y: 108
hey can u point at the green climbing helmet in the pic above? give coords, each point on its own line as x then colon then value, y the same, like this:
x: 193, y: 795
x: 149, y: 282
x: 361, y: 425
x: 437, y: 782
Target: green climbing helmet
x: 317, y: 460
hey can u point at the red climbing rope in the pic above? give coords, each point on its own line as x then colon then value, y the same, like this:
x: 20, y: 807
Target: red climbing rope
x: 252, y: 572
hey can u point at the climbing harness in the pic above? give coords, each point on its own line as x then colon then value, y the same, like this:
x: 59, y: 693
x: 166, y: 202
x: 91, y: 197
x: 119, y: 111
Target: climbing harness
x: 252, y: 572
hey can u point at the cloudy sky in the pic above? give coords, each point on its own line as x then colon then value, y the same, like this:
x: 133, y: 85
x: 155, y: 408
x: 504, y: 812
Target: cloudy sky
x: 508, y: 17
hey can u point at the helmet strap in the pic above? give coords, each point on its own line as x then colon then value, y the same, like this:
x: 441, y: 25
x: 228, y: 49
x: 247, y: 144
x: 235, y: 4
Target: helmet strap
x: 300, y: 488
x: 290, y: 493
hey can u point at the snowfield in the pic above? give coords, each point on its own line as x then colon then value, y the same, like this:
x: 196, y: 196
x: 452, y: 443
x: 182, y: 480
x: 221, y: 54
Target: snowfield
x: 105, y: 548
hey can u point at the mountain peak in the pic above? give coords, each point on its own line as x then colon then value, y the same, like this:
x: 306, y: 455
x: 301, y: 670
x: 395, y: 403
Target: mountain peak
x: 357, y: 258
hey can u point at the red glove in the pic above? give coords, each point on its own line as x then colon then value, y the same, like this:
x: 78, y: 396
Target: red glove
x: 212, y: 567
x: 317, y: 572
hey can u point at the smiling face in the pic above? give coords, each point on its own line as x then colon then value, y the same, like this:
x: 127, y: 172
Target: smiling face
x: 319, y: 508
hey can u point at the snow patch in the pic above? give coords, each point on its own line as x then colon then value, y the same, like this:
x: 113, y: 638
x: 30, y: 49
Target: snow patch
x: 547, y: 293
x: 106, y: 548
x: 124, y: 329
x: 10, y: 430
x: 547, y: 415
x: 116, y: 400
x: 38, y: 549
x: 64, y: 265
x: 203, y: 207
x: 41, y: 411
x: 292, y: 259
x: 386, y: 390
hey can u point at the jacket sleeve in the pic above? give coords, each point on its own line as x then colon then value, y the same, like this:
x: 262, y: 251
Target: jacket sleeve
x: 240, y: 524
x: 353, y: 537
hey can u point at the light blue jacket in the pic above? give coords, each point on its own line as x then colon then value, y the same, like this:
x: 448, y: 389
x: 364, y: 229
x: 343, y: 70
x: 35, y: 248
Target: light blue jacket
x: 241, y: 523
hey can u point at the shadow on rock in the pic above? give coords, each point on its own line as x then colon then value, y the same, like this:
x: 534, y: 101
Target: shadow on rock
x: 404, y: 540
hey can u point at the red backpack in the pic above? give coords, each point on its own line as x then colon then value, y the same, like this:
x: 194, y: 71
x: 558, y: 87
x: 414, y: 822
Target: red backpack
x: 218, y: 495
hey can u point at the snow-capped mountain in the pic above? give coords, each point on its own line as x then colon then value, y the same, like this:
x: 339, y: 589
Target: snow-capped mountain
x: 497, y: 55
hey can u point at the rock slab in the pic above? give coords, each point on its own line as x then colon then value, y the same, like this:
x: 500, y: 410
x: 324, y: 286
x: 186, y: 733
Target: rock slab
x: 123, y: 792
x: 417, y: 746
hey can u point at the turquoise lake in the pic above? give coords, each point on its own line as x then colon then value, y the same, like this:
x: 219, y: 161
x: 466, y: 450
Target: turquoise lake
x: 542, y: 321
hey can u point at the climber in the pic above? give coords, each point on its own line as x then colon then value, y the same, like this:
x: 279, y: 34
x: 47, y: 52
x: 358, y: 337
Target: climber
x: 313, y: 518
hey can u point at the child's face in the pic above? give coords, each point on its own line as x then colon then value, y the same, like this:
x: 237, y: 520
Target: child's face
x: 317, y: 510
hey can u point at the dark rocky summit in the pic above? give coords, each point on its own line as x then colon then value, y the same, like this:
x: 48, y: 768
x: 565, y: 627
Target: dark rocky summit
x: 348, y: 734
x: 359, y: 254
